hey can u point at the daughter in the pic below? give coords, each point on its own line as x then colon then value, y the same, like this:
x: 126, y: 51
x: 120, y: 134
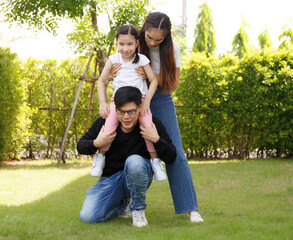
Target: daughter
x: 128, y: 56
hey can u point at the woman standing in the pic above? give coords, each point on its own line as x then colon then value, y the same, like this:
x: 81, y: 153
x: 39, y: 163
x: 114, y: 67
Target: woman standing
x: 156, y: 43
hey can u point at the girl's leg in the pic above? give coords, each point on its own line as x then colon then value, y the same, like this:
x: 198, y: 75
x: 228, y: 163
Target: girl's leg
x: 111, y: 123
x: 99, y: 158
x: 156, y: 163
x: 179, y: 174
x: 147, y: 120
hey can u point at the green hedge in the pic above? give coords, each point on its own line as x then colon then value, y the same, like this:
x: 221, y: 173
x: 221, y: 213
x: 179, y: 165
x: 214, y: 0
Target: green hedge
x: 13, y: 118
x: 51, y: 93
x: 226, y: 107
x: 233, y: 107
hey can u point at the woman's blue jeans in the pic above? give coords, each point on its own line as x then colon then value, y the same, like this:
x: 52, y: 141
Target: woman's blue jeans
x: 179, y: 174
x: 110, y: 195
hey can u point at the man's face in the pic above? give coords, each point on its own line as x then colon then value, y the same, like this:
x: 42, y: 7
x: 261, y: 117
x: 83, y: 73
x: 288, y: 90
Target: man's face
x: 128, y: 116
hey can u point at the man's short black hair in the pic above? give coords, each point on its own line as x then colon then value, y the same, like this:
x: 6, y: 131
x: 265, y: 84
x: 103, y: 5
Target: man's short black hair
x: 126, y: 95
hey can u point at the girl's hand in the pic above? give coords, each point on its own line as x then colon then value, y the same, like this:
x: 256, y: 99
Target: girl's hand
x: 140, y: 72
x: 145, y: 108
x: 114, y: 71
x: 104, y: 110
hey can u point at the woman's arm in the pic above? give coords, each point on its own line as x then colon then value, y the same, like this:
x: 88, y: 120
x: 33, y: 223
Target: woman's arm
x: 152, y: 88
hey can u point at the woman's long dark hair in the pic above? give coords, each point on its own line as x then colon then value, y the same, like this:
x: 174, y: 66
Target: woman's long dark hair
x: 162, y: 22
x: 128, y: 29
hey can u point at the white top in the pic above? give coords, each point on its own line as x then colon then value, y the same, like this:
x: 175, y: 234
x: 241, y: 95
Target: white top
x: 155, y: 57
x: 127, y: 76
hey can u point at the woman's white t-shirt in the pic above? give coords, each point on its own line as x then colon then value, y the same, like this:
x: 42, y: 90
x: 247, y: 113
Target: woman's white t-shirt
x: 127, y: 76
x: 155, y: 57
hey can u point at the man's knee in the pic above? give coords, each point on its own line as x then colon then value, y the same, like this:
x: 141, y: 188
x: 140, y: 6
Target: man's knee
x: 135, y: 164
x: 87, y: 217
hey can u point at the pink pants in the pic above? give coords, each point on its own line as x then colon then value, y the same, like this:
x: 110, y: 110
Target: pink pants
x: 112, y: 122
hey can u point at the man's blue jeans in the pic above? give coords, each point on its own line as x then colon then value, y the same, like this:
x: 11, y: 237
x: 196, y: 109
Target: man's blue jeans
x: 110, y: 195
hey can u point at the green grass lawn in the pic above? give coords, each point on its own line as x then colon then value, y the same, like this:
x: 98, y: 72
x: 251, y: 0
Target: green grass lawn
x: 237, y: 199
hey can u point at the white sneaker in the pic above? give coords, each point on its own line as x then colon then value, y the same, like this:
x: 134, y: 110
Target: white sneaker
x: 139, y: 219
x: 195, y: 217
x: 158, y: 169
x: 98, y: 165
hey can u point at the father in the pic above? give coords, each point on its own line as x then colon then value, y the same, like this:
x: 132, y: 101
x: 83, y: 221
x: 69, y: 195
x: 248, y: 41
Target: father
x: 127, y: 173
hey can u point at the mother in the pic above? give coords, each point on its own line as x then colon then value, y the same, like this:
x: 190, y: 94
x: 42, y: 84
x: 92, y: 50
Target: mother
x: 156, y: 43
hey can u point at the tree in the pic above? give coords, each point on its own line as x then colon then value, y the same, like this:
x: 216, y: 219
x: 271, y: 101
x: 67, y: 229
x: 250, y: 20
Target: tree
x: 287, y: 35
x: 264, y: 39
x: 87, y: 37
x: 44, y: 15
x: 204, y: 31
x: 240, y: 41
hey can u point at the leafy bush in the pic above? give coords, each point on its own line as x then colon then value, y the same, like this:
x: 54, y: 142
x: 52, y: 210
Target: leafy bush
x: 51, y: 93
x: 232, y: 107
x: 13, y: 117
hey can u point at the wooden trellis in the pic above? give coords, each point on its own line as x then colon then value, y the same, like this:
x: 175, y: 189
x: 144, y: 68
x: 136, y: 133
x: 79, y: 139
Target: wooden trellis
x: 83, y: 78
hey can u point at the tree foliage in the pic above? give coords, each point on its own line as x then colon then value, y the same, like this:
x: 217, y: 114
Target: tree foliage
x: 204, y: 31
x: 264, y: 39
x: 42, y: 14
x: 286, y: 36
x: 87, y: 35
x: 240, y: 41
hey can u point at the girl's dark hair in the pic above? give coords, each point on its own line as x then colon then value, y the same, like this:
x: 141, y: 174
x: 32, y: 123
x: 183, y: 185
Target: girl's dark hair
x: 128, y: 29
x: 127, y: 94
x: 161, y: 21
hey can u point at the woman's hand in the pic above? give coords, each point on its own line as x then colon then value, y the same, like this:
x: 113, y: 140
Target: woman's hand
x: 104, y: 110
x: 140, y: 72
x: 114, y: 71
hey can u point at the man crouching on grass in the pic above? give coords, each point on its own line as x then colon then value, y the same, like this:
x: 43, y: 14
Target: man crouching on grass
x: 127, y: 173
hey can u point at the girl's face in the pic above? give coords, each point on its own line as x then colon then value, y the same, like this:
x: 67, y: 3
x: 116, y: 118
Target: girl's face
x: 126, y: 46
x: 154, y: 37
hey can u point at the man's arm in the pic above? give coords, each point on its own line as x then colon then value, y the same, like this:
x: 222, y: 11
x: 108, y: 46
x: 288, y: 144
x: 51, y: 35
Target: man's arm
x: 95, y: 138
x: 85, y: 144
x: 161, y: 140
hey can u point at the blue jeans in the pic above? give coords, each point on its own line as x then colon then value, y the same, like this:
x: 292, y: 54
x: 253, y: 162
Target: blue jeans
x: 110, y: 195
x: 179, y: 174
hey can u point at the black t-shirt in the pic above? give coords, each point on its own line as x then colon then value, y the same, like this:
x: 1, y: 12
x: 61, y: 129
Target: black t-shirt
x: 126, y: 144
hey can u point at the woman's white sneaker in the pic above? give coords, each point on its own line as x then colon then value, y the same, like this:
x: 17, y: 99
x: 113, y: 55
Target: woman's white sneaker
x: 195, y: 217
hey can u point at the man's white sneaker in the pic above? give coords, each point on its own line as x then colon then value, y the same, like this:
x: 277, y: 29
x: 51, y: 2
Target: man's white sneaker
x: 98, y: 165
x: 139, y: 219
x: 158, y: 169
x: 195, y: 217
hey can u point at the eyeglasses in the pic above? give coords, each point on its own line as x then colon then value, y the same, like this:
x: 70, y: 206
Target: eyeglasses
x: 130, y: 112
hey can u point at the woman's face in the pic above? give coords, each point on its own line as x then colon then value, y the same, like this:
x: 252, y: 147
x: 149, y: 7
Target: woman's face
x: 154, y: 37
